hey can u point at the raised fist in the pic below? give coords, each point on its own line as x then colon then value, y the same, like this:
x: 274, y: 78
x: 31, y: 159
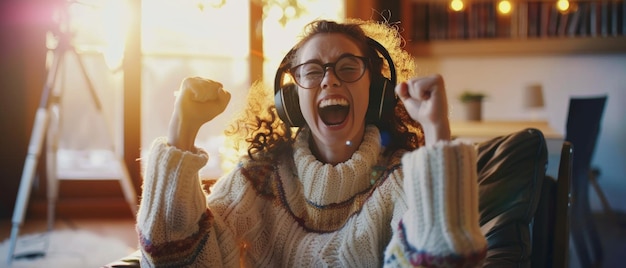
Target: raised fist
x: 200, y: 100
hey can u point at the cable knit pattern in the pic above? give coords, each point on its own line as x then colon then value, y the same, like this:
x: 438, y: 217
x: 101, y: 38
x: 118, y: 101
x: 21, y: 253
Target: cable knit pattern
x: 326, y: 184
x: 299, y: 212
x: 329, y: 187
x: 441, y: 223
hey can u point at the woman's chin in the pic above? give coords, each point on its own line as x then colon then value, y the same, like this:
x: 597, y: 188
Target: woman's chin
x: 341, y: 134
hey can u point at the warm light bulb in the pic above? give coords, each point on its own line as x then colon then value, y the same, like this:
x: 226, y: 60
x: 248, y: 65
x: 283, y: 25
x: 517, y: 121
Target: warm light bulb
x: 456, y: 5
x: 562, y: 5
x: 504, y: 7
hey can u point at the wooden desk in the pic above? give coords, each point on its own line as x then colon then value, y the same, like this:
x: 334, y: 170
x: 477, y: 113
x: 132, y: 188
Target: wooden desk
x: 484, y: 130
x: 477, y: 131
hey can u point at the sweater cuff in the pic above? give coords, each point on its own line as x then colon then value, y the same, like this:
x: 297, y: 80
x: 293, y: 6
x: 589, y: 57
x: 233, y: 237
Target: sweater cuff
x: 171, y: 174
x: 442, y: 197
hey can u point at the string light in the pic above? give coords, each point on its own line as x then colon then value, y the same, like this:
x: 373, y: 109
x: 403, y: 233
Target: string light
x: 562, y: 5
x: 456, y: 5
x: 504, y: 7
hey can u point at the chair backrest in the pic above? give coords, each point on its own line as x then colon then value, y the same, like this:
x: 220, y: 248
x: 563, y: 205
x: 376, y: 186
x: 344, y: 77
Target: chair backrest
x: 582, y: 130
x: 583, y: 126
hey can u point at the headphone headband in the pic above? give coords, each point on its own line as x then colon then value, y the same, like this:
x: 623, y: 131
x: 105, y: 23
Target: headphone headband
x: 382, y: 50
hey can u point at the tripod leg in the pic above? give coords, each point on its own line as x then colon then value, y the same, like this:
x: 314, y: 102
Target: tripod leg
x: 37, y: 137
x: 30, y: 165
x: 51, y: 161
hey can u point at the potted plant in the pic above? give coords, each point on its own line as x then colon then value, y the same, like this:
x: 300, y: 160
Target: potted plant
x: 472, y: 101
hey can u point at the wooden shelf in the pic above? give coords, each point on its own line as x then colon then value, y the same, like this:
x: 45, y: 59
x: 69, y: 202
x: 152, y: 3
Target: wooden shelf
x: 534, y: 27
x: 519, y: 47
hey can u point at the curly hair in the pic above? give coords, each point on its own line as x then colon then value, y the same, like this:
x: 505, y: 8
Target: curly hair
x: 266, y: 135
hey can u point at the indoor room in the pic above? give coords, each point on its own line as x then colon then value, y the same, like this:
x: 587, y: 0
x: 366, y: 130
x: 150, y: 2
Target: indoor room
x: 87, y: 86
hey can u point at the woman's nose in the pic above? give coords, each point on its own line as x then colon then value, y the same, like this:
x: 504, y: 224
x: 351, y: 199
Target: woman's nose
x: 330, y: 79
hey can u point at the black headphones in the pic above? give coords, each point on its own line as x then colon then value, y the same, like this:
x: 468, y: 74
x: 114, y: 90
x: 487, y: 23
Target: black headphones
x: 381, y: 102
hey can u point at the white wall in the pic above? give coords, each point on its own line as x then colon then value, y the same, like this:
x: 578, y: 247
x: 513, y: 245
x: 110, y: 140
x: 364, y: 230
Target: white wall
x: 504, y: 79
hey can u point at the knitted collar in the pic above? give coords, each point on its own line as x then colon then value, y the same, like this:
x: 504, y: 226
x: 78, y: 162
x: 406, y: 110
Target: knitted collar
x: 325, y: 184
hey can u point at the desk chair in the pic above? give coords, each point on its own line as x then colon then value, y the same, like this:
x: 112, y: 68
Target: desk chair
x: 583, y: 126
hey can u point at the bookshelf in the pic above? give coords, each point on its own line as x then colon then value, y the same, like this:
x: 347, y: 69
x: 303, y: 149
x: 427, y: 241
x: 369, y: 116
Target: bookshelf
x: 533, y: 27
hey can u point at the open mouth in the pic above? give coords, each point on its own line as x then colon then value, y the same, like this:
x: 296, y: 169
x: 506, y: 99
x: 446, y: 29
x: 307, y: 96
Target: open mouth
x: 334, y: 111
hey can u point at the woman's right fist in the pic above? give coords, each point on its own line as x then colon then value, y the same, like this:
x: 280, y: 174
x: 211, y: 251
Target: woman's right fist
x: 199, y: 100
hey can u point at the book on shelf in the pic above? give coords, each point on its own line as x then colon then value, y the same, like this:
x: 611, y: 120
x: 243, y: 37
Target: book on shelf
x: 583, y: 28
x: 472, y: 22
x: 522, y: 12
x: 490, y: 8
x: 574, y: 23
x: 533, y: 18
x: 604, y: 18
x: 514, y: 23
x: 503, y: 26
x: 437, y: 21
x: 544, y: 20
x: 616, y: 17
x: 594, y: 18
x: 564, y: 19
x: 623, y: 18
x: 420, y: 21
x: 553, y: 20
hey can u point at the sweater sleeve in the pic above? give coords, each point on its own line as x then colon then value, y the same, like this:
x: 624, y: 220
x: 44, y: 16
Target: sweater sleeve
x: 441, y: 224
x: 176, y: 227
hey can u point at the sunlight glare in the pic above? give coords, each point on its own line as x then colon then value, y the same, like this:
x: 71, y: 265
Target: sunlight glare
x: 96, y: 26
x: 275, y: 13
x: 290, y: 12
x: 278, y: 39
x: 116, y: 17
x: 179, y: 27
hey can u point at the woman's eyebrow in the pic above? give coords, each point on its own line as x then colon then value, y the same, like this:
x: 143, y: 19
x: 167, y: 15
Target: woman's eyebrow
x: 320, y: 62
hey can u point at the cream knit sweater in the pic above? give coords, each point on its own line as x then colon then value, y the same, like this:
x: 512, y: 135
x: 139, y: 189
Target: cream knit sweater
x: 419, y: 208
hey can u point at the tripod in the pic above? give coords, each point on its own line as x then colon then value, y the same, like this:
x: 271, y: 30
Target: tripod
x: 46, y: 127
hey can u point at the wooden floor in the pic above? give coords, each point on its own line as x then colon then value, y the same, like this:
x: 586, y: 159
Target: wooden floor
x: 121, y: 228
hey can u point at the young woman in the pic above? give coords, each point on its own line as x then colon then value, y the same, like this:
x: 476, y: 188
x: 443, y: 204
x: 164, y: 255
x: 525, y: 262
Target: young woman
x: 358, y: 184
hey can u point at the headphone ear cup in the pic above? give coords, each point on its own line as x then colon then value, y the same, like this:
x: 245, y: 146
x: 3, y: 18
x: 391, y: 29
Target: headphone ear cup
x: 382, y: 99
x: 382, y: 90
x: 288, y: 106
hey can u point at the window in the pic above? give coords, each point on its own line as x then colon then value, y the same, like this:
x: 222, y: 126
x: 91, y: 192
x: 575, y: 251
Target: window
x: 207, y: 38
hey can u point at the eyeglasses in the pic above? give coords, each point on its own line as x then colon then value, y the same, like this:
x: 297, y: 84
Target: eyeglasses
x: 348, y: 68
